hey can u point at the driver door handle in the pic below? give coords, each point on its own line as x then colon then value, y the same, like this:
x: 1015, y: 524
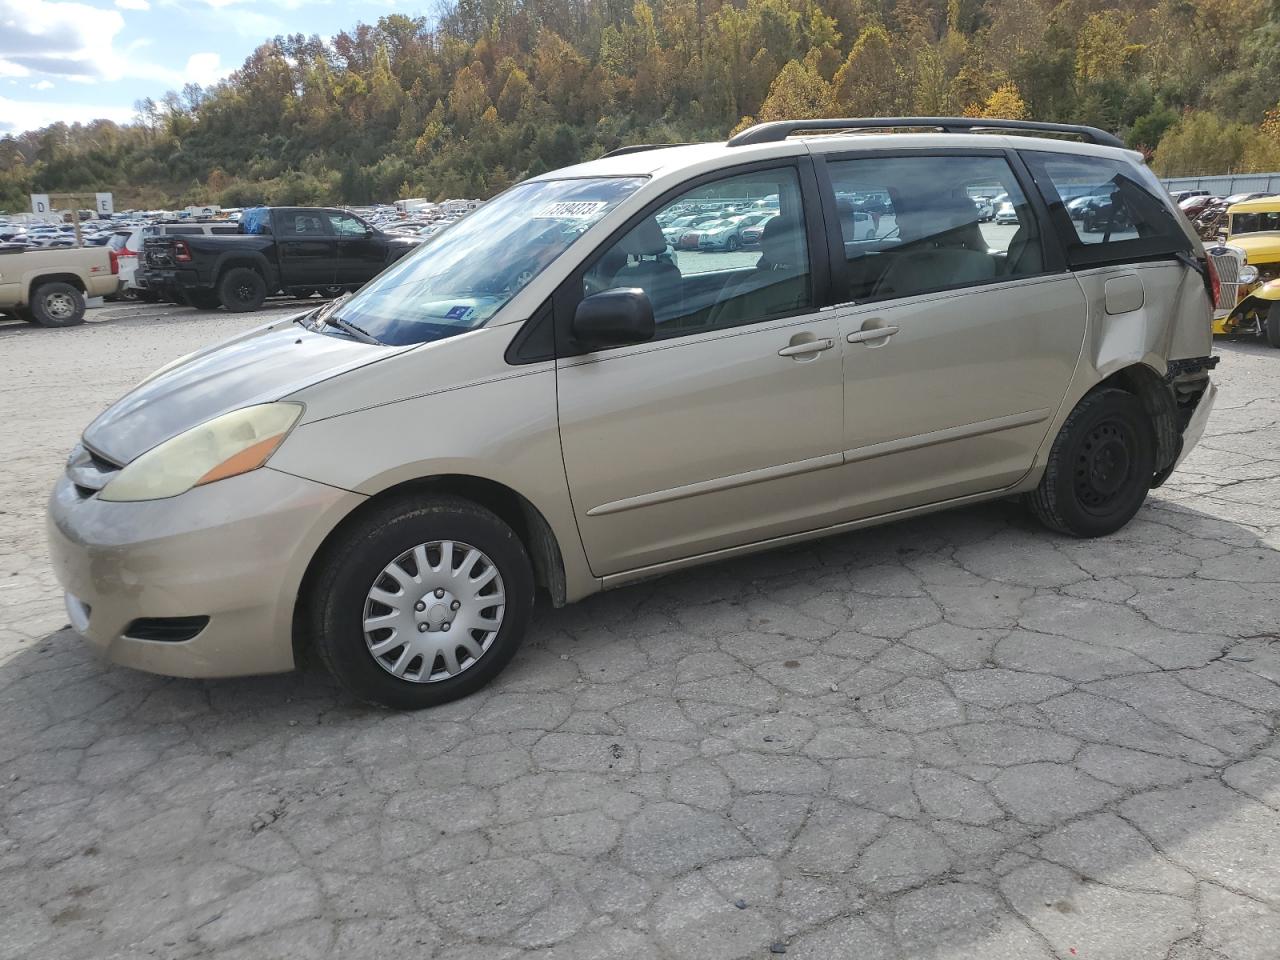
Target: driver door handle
x: 809, y: 346
x: 871, y: 333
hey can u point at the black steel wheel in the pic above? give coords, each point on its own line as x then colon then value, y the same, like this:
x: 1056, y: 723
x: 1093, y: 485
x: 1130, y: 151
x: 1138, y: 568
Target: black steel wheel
x: 1100, y: 466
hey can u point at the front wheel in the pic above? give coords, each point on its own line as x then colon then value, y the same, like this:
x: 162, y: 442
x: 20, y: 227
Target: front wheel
x: 421, y: 602
x: 1100, y: 467
x: 1273, y: 325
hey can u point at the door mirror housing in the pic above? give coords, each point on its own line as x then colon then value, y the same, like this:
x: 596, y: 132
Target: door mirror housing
x: 614, y: 318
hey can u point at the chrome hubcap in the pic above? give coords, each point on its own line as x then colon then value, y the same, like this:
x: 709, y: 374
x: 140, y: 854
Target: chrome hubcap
x: 434, y: 611
x: 59, y: 305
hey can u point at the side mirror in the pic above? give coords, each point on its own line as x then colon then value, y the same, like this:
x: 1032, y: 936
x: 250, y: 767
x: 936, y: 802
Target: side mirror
x: 614, y: 318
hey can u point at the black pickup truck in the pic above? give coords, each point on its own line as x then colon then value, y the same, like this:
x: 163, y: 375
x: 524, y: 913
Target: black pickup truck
x: 296, y: 250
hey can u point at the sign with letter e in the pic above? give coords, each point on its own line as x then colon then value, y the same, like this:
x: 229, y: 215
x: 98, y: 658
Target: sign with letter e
x: 106, y: 206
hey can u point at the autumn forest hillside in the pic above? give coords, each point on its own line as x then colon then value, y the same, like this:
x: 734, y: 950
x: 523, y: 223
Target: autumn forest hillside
x: 491, y: 91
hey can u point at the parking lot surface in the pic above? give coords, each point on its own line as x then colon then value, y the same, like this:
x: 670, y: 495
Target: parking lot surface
x: 959, y: 736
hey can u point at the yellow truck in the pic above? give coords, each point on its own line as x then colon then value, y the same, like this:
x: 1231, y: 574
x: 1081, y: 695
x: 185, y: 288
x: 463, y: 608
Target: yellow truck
x: 1247, y: 268
x: 49, y: 286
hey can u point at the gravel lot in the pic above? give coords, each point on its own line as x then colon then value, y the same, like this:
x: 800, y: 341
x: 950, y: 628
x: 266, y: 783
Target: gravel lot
x: 953, y: 737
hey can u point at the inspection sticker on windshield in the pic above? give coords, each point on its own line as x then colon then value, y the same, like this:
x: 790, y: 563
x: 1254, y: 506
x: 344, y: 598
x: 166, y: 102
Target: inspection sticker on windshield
x: 571, y: 210
x: 460, y: 312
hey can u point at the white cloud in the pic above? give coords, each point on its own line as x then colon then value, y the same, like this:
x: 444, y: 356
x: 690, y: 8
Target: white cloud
x: 72, y: 41
x: 42, y: 85
x: 64, y: 39
x: 204, y: 69
x: 133, y: 4
x: 19, y: 115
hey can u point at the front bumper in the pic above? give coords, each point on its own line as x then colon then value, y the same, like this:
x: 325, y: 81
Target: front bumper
x: 234, y: 551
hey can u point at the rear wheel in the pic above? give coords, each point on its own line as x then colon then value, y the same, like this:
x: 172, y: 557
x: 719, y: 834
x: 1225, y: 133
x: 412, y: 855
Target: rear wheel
x: 242, y: 290
x: 302, y: 293
x: 334, y: 290
x: 421, y: 603
x: 1100, y: 467
x: 57, y: 304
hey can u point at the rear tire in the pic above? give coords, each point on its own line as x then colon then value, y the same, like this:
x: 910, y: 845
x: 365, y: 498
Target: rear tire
x: 303, y: 293
x: 1100, y: 467
x: 341, y: 605
x: 1272, y: 325
x: 242, y: 290
x: 332, y: 291
x: 57, y: 304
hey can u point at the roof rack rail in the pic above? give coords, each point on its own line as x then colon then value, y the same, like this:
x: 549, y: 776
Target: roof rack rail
x: 639, y: 148
x: 779, y: 130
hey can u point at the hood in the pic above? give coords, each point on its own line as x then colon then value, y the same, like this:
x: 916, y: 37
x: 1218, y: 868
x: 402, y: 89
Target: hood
x: 266, y: 364
x: 1259, y: 248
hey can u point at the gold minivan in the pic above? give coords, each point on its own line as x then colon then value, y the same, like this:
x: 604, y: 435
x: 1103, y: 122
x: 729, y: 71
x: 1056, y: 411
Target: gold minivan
x: 552, y: 398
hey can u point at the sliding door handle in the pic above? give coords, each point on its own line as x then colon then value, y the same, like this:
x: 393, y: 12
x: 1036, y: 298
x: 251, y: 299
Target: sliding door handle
x: 871, y: 333
x: 806, y: 347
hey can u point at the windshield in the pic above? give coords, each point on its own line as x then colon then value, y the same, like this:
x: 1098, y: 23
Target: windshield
x: 468, y: 272
x: 1255, y: 222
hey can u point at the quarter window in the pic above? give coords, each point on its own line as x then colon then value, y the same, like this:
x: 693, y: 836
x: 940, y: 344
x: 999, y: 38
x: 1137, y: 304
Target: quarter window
x: 917, y: 224
x: 1105, y: 209
x: 723, y: 254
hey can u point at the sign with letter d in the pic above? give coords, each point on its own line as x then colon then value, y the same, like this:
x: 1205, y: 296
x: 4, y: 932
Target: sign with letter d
x: 40, y: 203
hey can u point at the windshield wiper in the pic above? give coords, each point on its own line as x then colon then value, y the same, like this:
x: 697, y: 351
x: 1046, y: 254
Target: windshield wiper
x: 347, y: 327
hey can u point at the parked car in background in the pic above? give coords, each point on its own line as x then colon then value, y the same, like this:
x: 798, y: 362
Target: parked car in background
x: 1181, y: 195
x: 1105, y: 213
x: 146, y: 283
x: 546, y: 398
x: 49, y: 286
x: 1248, y: 269
x: 1194, y: 205
x: 300, y: 250
x: 1076, y: 207
x: 126, y: 245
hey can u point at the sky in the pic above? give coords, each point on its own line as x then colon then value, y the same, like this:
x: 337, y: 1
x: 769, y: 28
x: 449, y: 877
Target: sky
x: 77, y: 60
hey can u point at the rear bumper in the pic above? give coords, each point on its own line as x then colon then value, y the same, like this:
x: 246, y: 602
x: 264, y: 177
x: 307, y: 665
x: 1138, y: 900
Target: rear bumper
x: 1195, y: 426
x: 180, y: 279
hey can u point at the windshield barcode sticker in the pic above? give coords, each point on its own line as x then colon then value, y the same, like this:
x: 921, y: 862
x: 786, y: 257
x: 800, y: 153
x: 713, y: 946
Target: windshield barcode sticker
x: 571, y: 210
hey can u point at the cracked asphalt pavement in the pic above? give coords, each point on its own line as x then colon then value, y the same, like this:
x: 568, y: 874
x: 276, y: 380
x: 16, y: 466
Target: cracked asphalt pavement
x: 960, y: 736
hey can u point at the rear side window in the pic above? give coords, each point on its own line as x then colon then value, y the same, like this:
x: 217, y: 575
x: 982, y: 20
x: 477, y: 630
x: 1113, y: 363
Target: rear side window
x: 1104, y: 210
x: 917, y: 224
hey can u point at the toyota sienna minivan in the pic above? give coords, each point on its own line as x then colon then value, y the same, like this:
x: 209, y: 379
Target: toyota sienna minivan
x: 551, y: 398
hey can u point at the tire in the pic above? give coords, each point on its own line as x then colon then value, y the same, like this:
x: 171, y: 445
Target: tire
x: 303, y: 293
x: 1100, y: 467
x: 352, y: 568
x: 333, y: 290
x: 733, y: 244
x: 242, y: 290
x: 57, y: 304
x: 1273, y: 325
x: 202, y: 299
x: 147, y: 295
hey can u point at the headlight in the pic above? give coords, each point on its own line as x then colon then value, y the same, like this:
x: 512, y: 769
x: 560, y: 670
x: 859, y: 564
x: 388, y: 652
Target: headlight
x: 225, y: 446
x: 1248, y: 274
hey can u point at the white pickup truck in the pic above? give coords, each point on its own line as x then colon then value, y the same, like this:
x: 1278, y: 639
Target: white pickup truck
x: 49, y: 286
